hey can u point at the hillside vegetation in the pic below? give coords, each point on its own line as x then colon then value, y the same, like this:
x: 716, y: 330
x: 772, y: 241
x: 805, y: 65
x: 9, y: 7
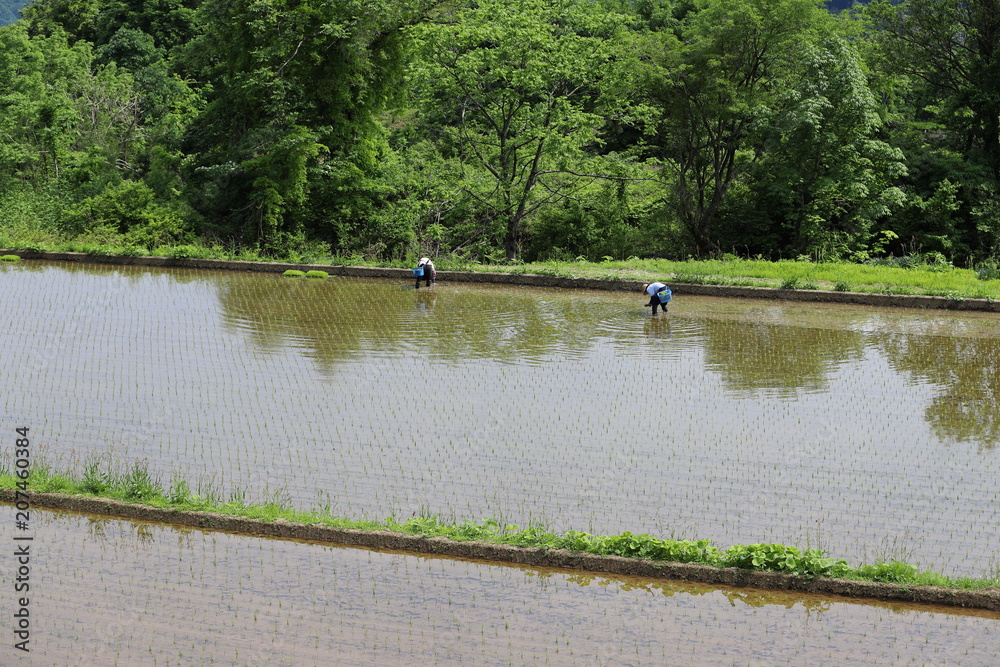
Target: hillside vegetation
x: 505, y: 130
x: 9, y: 10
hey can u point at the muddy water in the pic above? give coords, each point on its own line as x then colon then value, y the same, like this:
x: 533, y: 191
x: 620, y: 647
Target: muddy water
x: 116, y: 592
x: 869, y: 432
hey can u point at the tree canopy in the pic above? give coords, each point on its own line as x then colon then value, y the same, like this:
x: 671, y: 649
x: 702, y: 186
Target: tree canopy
x: 508, y: 129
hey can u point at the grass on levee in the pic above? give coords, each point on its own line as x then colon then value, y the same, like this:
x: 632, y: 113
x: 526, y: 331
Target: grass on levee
x: 928, y: 279
x: 135, y: 484
x: 885, y: 276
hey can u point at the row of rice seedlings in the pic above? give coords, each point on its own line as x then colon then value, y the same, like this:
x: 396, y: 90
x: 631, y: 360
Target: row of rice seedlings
x: 133, y: 594
x: 568, y: 440
x: 102, y: 478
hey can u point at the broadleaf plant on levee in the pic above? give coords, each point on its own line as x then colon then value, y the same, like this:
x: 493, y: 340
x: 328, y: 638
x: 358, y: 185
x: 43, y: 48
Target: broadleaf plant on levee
x: 134, y: 483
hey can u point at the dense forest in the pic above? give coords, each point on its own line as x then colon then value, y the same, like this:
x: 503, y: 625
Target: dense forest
x: 507, y: 129
x: 9, y: 10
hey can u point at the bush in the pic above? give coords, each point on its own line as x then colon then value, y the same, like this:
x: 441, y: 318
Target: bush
x: 128, y: 209
x: 988, y: 270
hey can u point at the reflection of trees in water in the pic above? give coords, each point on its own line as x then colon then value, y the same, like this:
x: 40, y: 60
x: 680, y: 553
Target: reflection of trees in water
x: 751, y: 598
x: 336, y: 318
x: 508, y: 325
x: 656, y: 327
x: 967, y: 370
x: 333, y: 318
x: 753, y: 354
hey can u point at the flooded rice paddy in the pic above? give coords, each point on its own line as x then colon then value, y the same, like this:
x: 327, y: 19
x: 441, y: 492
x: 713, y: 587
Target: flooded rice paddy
x: 869, y: 432
x: 123, y: 593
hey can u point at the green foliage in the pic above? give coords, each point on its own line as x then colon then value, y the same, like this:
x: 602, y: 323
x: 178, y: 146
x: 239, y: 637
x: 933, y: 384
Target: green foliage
x: 894, y: 572
x: 129, y: 209
x: 285, y: 120
x: 180, y: 492
x: 317, y: 274
x: 648, y: 547
x: 717, y: 87
x: 824, y: 177
x: 135, y: 483
x: 10, y: 258
x: 516, y: 87
x: 797, y: 282
x: 294, y: 273
x: 610, y: 220
x: 185, y: 252
x: 987, y: 270
x: 503, y: 129
x: 781, y: 558
x: 96, y: 477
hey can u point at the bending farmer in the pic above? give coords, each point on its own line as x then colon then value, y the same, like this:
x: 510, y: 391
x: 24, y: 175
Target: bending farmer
x: 429, y: 275
x: 659, y: 295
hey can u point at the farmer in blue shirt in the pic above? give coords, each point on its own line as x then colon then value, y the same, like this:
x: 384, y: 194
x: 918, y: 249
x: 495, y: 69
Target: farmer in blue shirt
x: 653, y: 289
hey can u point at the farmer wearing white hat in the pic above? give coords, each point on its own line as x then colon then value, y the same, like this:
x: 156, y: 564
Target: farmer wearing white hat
x: 430, y: 275
x: 659, y: 295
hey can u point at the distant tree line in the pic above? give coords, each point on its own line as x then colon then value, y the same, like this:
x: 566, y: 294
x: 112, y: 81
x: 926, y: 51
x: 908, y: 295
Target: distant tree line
x: 508, y: 129
x: 9, y: 10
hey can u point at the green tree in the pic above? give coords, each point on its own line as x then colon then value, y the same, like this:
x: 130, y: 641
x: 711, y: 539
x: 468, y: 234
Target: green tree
x: 942, y: 58
x: 290, y: 134
x: 824, y: 175
x: 77, y: 19
x: 951, y: 50
x: 516, y: 90
x: 717, y: 87
x: 61, y: 117
x: 169, y: 23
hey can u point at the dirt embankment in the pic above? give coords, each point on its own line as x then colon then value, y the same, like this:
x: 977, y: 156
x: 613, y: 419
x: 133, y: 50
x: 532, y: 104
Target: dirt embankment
x: 988, y: 599
x: 900, y: 301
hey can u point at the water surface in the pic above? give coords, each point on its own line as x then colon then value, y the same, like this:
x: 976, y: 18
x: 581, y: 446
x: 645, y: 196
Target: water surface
x: 119, y: 592
x: 869, y: 432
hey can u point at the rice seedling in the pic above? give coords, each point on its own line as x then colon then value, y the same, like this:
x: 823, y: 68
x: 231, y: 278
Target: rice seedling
x: 763, y: 431
x: 200, y: 596
x: 10, y: 258
x: 293, y: 273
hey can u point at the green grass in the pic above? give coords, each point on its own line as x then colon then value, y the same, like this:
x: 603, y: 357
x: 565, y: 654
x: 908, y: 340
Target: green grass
x: 923, y: 279
x: 887, y: 277
x: 135, y: 483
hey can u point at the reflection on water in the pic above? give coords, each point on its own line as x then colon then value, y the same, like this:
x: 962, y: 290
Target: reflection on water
x: 735, y: 420
x: 123, y: 592
x: 966, y: 373
x: 756, y: 354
